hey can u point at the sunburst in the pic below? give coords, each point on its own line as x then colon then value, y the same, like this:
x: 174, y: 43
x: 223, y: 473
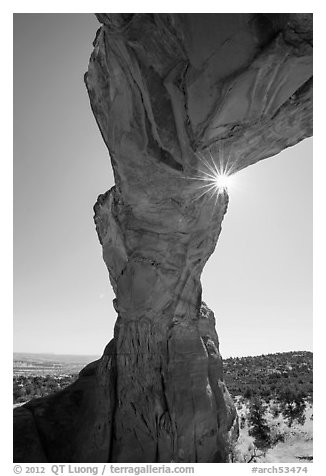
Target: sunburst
x: 214, y: 177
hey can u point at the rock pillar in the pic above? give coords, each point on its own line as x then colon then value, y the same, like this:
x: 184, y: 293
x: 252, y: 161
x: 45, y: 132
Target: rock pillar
x: 169, y: 391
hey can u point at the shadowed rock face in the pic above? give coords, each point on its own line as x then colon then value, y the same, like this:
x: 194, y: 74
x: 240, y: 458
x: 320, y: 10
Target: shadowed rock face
x: 173, y: 95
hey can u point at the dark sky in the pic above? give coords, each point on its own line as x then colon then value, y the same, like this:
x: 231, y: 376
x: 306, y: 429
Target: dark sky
x: 259, y: 280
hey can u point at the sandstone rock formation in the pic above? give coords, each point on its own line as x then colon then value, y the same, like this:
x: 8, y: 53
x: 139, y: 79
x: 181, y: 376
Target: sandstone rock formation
x: 173, y: 96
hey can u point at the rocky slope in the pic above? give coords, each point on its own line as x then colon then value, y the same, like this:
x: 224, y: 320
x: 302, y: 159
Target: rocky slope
x: 174, y: 96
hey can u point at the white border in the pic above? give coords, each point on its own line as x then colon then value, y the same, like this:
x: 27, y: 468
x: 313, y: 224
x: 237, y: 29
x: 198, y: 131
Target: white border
x: 6, y: 189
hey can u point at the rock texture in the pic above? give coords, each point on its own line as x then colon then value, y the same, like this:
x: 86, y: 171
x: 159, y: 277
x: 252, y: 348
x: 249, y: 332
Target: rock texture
x: 173, y: 95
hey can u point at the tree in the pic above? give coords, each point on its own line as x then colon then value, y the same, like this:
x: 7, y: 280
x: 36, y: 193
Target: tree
x: 248, y: 393
x: 259, y: 430
x: 293, y: 406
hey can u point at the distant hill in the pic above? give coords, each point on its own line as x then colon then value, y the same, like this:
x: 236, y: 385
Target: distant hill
x: 38, y: 375
x: 49, y: 364
x: 267, y: 376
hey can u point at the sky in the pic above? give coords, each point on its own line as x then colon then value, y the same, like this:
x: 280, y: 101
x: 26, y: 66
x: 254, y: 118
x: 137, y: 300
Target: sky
x: 258, y: 282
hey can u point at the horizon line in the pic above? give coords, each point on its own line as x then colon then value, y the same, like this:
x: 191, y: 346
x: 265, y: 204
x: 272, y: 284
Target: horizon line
x: 99, y: 356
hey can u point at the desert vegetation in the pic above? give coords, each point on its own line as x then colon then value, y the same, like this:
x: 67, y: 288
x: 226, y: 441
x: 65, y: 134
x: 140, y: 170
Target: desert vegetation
x: 278, y: 376
x: 273, y: 395
x: 27, y: 387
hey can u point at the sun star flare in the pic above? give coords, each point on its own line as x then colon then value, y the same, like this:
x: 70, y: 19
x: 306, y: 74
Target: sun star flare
x: 214, y: 177
x: 222, y: 181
